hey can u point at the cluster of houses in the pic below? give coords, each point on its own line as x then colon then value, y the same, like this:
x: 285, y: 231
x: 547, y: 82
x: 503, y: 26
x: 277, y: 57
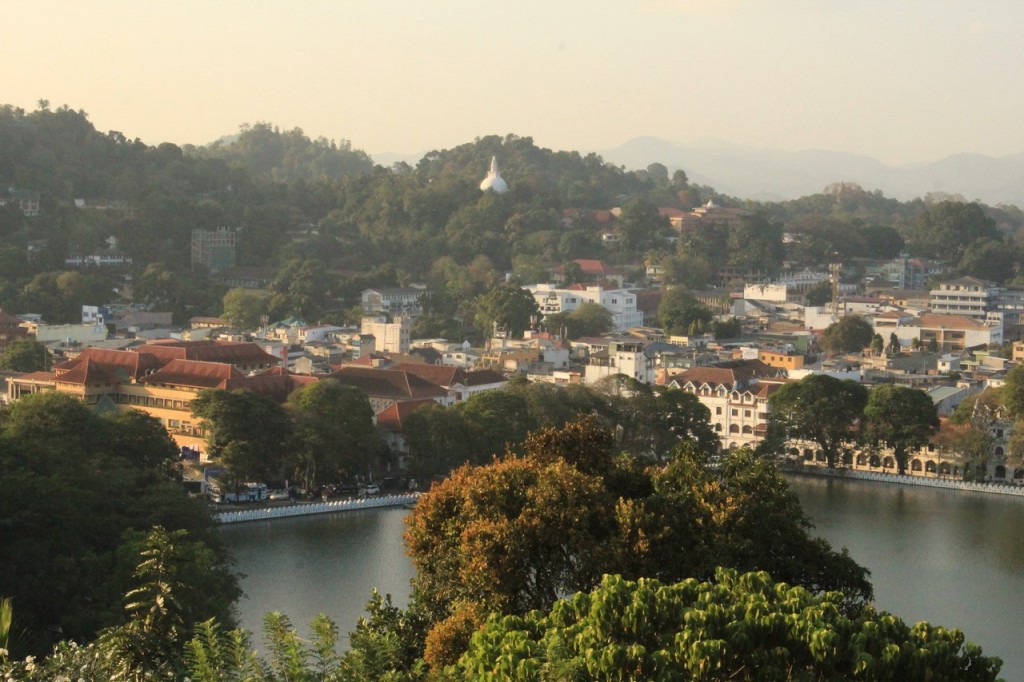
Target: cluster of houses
x: 936, y: 340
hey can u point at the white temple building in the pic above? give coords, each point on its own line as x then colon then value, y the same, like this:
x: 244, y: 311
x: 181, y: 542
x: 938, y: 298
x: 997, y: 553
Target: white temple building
x: 494, y: 181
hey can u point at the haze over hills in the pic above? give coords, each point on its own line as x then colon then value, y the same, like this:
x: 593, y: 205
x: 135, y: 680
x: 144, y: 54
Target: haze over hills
x: 768, y: 174
x: 775, y: 175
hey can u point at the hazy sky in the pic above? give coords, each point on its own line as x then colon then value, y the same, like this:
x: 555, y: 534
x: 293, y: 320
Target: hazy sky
x: 903, y: 81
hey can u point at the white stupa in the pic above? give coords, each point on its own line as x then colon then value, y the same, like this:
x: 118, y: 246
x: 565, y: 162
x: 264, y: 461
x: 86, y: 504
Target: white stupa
x: 494, y: 181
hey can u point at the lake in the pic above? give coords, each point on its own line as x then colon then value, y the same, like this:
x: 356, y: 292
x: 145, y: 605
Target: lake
x: 949, y: 557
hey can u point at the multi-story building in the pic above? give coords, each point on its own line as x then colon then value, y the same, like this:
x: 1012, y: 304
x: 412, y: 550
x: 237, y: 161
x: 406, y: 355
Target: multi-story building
x: 619, y: 302
x: 391, y: 337
x: 968, y: 296
x: 736, y: 394
x: 393, y: 301
x: 162, y: 379
x: 622, y: 357
x: 214, y: 249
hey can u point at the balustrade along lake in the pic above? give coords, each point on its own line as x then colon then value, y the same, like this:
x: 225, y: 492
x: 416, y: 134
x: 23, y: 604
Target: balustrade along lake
x: 952, y: 558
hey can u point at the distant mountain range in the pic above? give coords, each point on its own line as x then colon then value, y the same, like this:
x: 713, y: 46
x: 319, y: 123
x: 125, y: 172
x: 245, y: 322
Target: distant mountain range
x: 769, y: 175
x: 773, y: 175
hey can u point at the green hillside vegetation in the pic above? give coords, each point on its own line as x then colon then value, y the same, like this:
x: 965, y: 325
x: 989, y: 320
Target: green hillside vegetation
x: 321, y: 204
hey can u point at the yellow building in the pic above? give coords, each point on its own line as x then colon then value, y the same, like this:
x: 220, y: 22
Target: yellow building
x: 160, y: 380
x: 785, y: 361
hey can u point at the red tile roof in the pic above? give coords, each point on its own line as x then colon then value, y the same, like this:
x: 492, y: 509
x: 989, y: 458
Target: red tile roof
x: 90, y: 373
x: 388, y: 383
x: 125, y: 363
x: 393, y: 417
x: 193, y: 374
x: 233, y: 352
x: 440, y: 375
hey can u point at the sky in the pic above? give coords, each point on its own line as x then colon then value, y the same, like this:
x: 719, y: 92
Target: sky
x: 902, y: 81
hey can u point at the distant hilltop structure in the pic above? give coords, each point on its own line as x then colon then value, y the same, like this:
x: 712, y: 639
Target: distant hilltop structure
x: 494, y: 181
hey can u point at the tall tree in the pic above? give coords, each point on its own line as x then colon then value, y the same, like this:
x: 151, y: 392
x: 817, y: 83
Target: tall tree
x: 333, y: 431
x: 507, y: 307
x: 850, y: 334
x: 902, y: 418
x: 681, y: 313
x: 248, y: 434
x: 25, y: 355
x: 821, y: 409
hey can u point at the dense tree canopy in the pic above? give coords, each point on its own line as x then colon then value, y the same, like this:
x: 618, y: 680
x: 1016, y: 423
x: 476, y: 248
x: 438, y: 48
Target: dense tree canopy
x: 900, y: 417
x: 736, y: 627
x: 681, y: 313
x: 511, y: 535
x: 80, y: 493
x: 850, y: 334
x: 822, y: 409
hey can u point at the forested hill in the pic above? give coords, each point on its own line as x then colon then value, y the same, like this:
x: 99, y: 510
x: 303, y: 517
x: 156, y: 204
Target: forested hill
x: 322, y: 208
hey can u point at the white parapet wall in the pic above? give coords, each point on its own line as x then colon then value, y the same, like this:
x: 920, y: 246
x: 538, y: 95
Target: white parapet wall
x: 310, y: 508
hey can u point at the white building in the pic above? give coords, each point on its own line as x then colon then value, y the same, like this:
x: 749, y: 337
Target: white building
x: 968, y: 296
x: 626, y: 358
x: 619, y: 302
x: 391, y: 337
x: 393, y: 300
x: 736, y: 397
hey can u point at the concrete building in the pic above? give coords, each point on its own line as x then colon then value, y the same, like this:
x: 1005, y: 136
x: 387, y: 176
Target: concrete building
x: 619, y: 302
x: 214, y: 249
x: 391, y: 337
x: 393, y: 300
x: 621, y: 357
x: 967, y: 296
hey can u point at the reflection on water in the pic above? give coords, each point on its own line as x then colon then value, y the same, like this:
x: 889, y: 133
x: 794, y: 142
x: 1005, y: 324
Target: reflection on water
x: 328, y: 563
x: 951, y: 558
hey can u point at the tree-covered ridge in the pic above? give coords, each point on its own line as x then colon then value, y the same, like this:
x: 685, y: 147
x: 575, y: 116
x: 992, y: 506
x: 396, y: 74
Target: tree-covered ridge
x: 268, y: 153
x: 321, y: 207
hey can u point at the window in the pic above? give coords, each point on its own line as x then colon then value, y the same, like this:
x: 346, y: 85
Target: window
x: 735, y: 412
x: 718, y: 410
x: 746, y: 413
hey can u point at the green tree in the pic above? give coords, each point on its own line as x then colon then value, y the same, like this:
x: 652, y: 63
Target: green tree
x: 248, y: 434
x: 902, y: 418
x: 681, y: 313
x: 820, y: 294
x: 946, y: 229
x: 736, y: 627
x: 66, y: 570
x: 507, y: 307
x: 820, y: 409
x: 640, y: 225
x: 333, y: 431
x: 849, y: 335
x: 877, y: 344
x: 1011, y: 394
x: 25, y: 355
x: 989, y: 259
x: 242, y: 308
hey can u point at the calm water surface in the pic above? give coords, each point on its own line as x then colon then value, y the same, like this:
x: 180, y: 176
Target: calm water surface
x: 328, y: 563
x: 948, y: 557
x: 951, y: 558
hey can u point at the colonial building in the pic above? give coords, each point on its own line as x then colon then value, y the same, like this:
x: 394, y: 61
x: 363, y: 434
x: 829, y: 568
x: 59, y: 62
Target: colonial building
x: 736, y: 393
x: 162, y: 379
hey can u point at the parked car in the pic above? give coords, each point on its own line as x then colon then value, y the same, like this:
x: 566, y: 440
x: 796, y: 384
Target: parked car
x: 369, y: 489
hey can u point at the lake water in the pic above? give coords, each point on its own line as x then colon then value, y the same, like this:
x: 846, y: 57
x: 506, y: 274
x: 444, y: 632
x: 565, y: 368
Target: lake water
x: 951, y: 558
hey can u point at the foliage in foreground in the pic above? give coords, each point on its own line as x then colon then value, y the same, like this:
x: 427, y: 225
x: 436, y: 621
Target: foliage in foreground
x: 512, y: 536
x: 737, y: 627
